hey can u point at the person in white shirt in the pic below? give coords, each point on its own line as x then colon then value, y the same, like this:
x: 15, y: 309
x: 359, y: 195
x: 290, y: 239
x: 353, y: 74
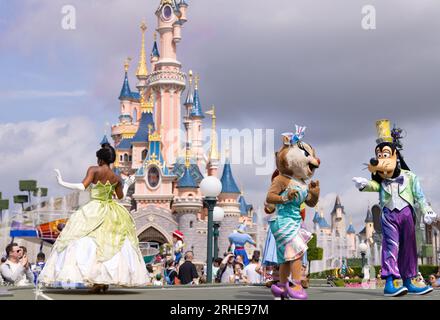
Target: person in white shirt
x: 253, y: 270
x: 16, y: 271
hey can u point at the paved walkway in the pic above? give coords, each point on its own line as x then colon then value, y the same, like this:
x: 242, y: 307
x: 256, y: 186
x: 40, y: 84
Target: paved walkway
x: 207, y: 293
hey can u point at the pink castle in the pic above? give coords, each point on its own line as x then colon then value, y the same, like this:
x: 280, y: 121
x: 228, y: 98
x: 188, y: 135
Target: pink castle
x: 148, y: 141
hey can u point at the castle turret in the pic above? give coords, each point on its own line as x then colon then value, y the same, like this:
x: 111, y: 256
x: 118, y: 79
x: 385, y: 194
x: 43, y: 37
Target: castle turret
x: 369, y: 225
x: 228, y: 201
x: 351, y: 239
x: 196, y: 117
x: 155, y: 55
x: 338, y: 219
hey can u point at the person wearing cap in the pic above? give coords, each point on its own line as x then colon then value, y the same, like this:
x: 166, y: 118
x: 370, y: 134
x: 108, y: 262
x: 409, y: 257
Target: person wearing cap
x: 178, y: 246
x: 239, y: 238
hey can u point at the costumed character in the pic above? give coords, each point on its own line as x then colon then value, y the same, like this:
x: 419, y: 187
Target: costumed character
x: 239, y: 238
x: 98, y: 246
x: 403, y: 204
x: 178, y: 245
x: 296, y: 163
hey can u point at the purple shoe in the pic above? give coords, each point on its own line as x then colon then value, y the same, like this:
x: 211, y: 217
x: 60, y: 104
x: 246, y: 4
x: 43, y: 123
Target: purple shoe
x: 296, y: 294
x: 278, y: 291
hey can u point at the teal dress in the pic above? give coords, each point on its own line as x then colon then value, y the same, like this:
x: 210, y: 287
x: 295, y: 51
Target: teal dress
x: 286, y: 226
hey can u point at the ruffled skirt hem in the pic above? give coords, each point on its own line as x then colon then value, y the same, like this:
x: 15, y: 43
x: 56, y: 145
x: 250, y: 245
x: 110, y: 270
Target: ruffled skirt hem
x: 79, y: 264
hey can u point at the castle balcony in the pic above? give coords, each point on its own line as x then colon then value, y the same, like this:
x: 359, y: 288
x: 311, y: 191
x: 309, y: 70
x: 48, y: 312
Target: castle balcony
x: 170, y: 77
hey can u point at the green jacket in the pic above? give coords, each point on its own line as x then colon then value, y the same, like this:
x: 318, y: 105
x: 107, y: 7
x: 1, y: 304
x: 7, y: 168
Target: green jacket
x: 410, y: 191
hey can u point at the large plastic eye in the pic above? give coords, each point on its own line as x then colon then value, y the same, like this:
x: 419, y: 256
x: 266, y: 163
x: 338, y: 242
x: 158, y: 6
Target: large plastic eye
x: 386, y: 155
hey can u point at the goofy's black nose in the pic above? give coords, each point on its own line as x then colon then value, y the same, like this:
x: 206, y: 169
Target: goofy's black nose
x: 374, y: 161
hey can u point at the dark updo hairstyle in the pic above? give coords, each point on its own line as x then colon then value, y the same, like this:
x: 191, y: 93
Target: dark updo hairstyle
x: 107, y: 153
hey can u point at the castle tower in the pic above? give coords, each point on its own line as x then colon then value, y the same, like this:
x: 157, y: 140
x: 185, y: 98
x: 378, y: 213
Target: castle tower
x: 167, y: 81
x: 351, y: 239
x: 324, y: 227
x: 369, y: 226
x: 213, y: 156
x: 338, y: 219
x: 140, y: 140
x: 197, y: 117
x: 186, y: 206
x: 227, y: 200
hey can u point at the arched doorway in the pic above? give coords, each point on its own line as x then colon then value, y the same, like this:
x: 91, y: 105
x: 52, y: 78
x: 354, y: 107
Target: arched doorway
x: 151, y: 234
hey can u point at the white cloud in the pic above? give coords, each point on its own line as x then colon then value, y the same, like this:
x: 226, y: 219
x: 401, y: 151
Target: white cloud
x: 35, y: 94
x: 31, y: 150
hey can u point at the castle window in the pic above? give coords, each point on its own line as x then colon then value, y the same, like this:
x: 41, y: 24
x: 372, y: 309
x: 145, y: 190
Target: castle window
x: 125, y: 157
x: 135, y: 115
x: 121, y: 158
x: 191, y: 224
x: 129, y: 158
x: 144, y: 154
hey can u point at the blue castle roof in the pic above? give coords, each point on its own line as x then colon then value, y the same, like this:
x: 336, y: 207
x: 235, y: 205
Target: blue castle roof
x: 125, y: 144
x: 369, y: 217
x: 197, y: 106
x: 104, y: 140
x: 186, y: 181
x: 136, y: 96
x: 142, y: 132
x: 227, y: 180
x: 125, y: 91
x: 155, y: 51
x: 323, y: 223
x: 154, y: 156
x: 316, y: 217
x: 351, y: 229
x: 244, y: 207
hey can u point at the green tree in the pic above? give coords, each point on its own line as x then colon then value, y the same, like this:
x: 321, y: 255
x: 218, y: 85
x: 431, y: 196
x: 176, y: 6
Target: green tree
x: 28, y: 186
x: 314, y: 252
x: 4, y: 205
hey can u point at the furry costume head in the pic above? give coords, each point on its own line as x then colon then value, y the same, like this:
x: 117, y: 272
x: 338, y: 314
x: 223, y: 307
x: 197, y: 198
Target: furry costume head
x: 388, y: 161
x: 296, y: 158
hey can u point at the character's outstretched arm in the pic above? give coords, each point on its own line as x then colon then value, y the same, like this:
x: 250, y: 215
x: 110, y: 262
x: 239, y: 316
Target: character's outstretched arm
x: 365, y: 185
x: 73, y: 186
x: 429, y: 216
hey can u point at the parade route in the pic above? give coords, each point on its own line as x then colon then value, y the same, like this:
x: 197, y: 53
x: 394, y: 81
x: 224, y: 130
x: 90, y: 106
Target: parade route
x: 208, y: 293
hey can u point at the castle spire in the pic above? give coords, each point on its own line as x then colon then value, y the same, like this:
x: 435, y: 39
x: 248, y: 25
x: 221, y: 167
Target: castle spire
x: 146, y: 105
x: 197, y: 106
x: 155, y: 51
x: 142, y: 70
x: 227, y: 179
x: 125, y: 90
x: 213, y: 151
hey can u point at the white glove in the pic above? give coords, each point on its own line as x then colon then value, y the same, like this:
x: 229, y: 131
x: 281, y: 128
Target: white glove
x: 430, y: 216
x: 360, y: 182
x: 73, y: 186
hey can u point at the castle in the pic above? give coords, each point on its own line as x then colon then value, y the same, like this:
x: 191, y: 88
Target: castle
x: 340, y: 242
x: 165, y: 195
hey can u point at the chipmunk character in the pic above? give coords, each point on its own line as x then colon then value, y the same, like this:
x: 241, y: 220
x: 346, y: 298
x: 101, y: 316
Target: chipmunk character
x: 296, y: 163
x: 399, y: 194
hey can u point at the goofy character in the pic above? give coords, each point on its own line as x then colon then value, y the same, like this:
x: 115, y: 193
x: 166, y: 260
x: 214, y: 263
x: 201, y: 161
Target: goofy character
x: 400, y: 194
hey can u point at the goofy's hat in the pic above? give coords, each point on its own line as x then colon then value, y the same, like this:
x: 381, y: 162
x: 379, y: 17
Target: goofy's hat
x: 178, y: 234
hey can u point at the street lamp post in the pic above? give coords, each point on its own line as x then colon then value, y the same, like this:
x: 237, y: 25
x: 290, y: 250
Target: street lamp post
x: 210, y: 188
x: 218, y: 216
x: 363, y: 250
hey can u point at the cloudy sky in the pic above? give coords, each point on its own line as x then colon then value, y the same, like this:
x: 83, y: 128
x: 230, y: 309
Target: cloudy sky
x: 264, y: 64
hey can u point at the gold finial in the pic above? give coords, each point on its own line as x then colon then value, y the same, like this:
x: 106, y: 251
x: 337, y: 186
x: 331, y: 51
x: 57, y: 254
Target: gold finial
x: 190, y: 74
x: 213, y: 152
x: 155, y: 36
x: 142, y: 70
x: 127, y: 64
x: 154, y: 136
x: 197, y: 79
x: 150, y: 128
x: 351, y: 219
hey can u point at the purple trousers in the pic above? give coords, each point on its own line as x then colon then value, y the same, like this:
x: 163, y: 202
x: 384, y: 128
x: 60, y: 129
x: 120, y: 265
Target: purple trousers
x: 399, y: 249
